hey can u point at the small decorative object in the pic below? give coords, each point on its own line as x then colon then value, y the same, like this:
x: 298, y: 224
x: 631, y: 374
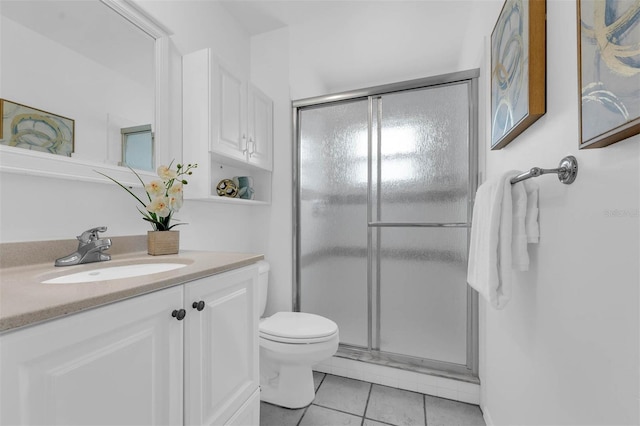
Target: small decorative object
x: 165, y: 198
x: 29, y: 128
x: 608, y: 71
x: 518, y: 54
x: 245, y: 187
x: 227, y: 188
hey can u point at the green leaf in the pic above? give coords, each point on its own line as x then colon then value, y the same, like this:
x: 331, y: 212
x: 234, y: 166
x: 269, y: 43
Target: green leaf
x: 124, y: 187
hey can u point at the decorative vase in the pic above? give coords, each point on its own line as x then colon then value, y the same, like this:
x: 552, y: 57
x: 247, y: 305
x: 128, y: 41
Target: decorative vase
x: 163, y: 242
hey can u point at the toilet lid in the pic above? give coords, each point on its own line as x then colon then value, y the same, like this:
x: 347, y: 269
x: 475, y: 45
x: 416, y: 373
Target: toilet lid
x: 297, y: 325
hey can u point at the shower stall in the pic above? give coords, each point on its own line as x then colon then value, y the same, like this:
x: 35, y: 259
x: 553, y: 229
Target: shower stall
x: 384, y: 184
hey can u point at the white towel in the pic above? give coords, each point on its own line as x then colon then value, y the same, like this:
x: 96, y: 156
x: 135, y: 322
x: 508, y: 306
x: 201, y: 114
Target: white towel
x: 532, y: 226
x: 519, y: 253
x: 490, y: 256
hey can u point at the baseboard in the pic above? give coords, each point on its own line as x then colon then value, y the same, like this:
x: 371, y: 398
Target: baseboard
x: 486, y: 416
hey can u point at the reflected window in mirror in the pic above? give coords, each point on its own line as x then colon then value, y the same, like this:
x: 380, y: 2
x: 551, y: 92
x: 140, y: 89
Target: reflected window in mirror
x: 138, y: 147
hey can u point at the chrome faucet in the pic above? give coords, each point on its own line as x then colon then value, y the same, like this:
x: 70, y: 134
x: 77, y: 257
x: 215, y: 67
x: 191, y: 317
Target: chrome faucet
x: 90, y: 248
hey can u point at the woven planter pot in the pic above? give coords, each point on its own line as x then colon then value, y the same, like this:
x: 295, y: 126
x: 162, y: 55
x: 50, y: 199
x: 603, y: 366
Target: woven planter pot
x: 163, y: 242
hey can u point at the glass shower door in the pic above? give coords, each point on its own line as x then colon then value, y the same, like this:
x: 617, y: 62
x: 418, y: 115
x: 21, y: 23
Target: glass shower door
x: 420, y: 222
x: 385, y: 181
x: 332, y: 222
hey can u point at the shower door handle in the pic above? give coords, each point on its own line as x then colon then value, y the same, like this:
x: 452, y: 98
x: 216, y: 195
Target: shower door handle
x: 418, y: 225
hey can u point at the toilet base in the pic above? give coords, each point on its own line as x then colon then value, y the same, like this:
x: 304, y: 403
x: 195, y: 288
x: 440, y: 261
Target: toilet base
x: 286, y: 378
x: 292, y: 387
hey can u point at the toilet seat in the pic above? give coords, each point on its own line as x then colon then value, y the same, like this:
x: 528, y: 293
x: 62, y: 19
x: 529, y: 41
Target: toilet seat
x: 297, y: 328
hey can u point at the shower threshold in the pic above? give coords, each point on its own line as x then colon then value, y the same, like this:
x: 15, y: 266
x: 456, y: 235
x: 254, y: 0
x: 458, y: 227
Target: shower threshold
x: 408, y: 363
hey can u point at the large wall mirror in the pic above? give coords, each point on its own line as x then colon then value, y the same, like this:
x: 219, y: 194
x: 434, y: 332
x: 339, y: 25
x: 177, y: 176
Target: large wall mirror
x: 100, y: 63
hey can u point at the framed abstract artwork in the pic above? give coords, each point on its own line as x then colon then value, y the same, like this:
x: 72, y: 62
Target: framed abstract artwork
x: 608, y: 71
x: 29, y: 128
x: 518, y: 69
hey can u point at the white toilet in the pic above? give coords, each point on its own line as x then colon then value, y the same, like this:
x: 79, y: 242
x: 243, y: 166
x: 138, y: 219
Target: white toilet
x: 290, y: 343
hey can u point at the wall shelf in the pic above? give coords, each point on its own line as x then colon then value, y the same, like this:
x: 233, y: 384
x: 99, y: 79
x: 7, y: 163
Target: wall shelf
x: 227, y: 200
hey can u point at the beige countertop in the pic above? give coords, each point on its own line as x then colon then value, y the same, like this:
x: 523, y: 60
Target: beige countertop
x: 24, y: 300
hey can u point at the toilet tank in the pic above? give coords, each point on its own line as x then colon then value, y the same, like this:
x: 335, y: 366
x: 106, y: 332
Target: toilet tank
x: 263, y: 285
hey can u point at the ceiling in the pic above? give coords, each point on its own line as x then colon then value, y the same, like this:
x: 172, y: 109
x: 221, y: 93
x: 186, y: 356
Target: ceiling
x: 339, y: 36
x: 260, y: 16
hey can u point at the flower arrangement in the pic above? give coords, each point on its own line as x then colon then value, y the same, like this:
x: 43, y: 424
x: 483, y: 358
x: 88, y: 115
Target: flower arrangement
x: 165, y: 194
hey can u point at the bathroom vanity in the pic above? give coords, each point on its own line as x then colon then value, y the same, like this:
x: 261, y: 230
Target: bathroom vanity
x: 176, y: 347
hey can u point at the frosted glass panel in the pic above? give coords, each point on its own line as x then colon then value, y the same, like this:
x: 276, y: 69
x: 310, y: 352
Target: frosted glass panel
x: 423, y: 293
x: 425, y: 155
x: 419, y: 169
x: 333, y: 216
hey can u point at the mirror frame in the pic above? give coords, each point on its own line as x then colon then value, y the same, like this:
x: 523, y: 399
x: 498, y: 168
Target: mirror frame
x: 21, y: 161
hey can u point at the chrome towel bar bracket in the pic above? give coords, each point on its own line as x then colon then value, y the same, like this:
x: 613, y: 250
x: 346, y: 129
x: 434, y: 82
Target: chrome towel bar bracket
x: 566, y: 171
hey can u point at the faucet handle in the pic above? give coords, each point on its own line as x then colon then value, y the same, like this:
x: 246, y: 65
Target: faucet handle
x: 91, y: 234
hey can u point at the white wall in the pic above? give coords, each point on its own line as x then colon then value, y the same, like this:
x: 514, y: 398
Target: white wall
x: 565, y: 350
x: 270, y: 72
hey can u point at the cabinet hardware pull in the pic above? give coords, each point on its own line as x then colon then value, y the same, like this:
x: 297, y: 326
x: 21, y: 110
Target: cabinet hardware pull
x: 179, y: 314
x: 246, y: 144
x: 198, y: 305
x: 253, y: 146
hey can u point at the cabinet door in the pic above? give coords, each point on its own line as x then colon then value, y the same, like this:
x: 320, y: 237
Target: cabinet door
x: 249, y: 413
x: 229, y: 101
x: 120, y: 364
x: 221, y: 346
x: 260, y: 145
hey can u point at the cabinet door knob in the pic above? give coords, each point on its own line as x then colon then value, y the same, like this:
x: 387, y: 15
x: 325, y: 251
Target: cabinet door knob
x: 198, y: 305
x: 179, y: 314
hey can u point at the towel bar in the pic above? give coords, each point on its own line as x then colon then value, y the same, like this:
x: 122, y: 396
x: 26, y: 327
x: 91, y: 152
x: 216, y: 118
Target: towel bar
x: 566, y: 171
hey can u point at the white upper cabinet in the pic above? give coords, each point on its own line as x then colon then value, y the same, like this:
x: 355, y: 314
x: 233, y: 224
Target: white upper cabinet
x: 229, y: 112
x: 260, y: 143
x: 242, y: 118
x: 227, y: 127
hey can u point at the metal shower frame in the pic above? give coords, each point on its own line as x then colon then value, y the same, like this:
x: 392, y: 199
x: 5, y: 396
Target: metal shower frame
x: 468, y: 372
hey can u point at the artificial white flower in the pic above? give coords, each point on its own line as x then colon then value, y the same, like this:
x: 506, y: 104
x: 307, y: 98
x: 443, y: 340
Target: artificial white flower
x: 176, y: 189
x: 166, y: 173
x: 175, y: 202
x: 165, y: 195
x: 159, y: 206
x: 155, y: 188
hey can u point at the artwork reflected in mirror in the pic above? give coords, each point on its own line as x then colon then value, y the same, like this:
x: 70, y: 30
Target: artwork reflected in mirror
x: 30, y: 128
x: 138, y: 147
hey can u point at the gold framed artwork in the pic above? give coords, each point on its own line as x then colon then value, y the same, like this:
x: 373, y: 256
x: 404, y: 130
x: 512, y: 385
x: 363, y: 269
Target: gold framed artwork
x: 608, y: 71
x: 518, y: 69
x: 30, y: 128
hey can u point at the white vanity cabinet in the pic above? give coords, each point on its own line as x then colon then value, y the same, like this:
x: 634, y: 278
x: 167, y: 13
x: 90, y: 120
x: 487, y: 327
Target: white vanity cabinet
x: 227, y: 123
x: 132, y: 362
x: 221, y: 347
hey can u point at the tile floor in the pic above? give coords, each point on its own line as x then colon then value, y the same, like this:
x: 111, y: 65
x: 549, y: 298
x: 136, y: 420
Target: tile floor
x: 343, y: 401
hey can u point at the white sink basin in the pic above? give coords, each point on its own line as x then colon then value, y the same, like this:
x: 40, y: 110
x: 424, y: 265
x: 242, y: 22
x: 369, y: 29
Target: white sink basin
x: 114, y: 273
